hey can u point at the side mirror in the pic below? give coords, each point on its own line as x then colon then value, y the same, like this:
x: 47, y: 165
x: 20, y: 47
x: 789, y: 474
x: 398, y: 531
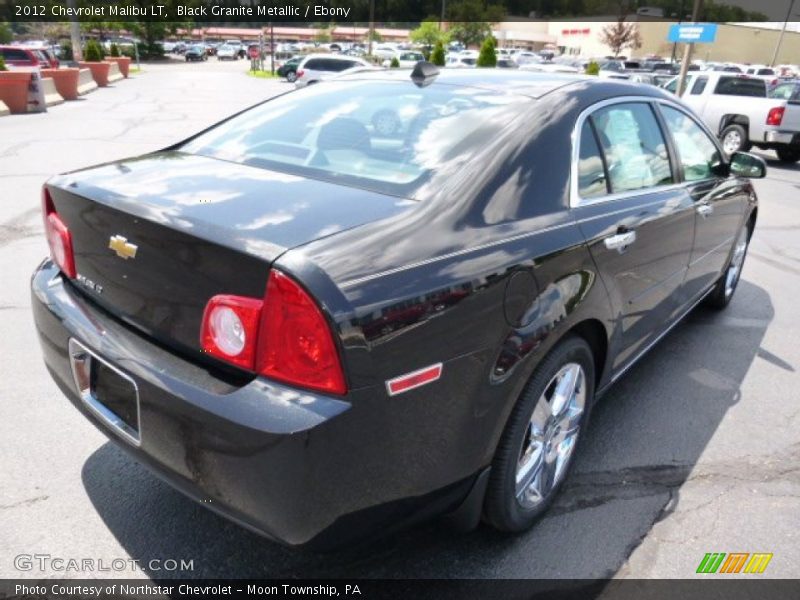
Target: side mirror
x: 744, y: 164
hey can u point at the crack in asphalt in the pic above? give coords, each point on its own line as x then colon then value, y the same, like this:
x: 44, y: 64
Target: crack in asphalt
x: 26, y: 502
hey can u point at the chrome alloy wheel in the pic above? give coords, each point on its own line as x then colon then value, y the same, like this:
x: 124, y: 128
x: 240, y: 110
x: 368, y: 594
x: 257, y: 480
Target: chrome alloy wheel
x: 551, y: 436
x: 732, y: 142
x: 735, y: 266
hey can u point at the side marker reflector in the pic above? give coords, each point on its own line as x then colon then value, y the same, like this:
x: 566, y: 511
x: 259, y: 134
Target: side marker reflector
x: 412, y: 380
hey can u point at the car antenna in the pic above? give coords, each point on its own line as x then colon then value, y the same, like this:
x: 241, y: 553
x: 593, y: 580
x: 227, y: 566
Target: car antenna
x: 424, y: 73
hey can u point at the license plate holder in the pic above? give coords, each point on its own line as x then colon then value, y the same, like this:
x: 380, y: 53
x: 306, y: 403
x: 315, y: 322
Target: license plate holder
x: 108, y: 392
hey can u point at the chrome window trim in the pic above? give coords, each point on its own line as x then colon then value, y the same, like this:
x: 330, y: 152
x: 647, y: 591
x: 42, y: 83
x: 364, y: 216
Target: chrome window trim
x: 575, y: 199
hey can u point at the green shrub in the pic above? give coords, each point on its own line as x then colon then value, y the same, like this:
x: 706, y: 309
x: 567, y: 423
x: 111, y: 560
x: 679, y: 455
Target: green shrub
x: 488, y: 55
x: 437, y: 56
x: 593, y: 68
x: 2, y: 63
x: 66, y: 51
x: 93, y: 52
x: 114, y: 50
x: 395, y: 63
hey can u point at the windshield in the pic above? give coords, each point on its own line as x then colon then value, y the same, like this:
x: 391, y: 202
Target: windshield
x: 381, y: 135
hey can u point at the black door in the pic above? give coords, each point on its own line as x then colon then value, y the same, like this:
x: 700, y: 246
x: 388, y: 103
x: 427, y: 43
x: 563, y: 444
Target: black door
x: 638, y: 222
x: 719, y: 200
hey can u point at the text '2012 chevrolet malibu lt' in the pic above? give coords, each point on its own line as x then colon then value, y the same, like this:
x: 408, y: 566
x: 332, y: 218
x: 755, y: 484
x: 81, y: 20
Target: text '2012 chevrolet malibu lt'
x: 325, y: 329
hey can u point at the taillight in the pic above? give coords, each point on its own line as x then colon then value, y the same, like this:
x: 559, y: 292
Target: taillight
x: 284, y: 337
x: 300, y: 73
x: 230, y: 329
x: 775, y: 115
x: 58, y: 237
x: 295, y: 343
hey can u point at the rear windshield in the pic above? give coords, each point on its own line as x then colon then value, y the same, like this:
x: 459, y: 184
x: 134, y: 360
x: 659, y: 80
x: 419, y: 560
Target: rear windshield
x: 382, y: 135
x: 741, y: 86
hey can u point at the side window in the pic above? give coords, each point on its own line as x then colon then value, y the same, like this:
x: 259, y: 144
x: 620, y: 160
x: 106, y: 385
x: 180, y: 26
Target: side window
x: 634, y: 147
x: 741, y: 86
x: 314, y: 65
x: 591, y: 171
x: 699, y: 85
x: 698, y: 154
x: 672, y: 86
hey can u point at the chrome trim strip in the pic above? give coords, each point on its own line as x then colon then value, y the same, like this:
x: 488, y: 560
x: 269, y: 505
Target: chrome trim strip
x: 116, y: 424
x: 714, y: 249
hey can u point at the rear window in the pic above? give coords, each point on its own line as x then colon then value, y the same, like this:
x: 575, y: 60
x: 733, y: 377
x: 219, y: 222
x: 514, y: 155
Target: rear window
x: 741, y: 86
x: 15, y: 54
x: 382, y: 135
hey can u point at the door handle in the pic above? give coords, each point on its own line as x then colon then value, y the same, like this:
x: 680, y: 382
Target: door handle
x: 705, y: 210
x: 620, y: 241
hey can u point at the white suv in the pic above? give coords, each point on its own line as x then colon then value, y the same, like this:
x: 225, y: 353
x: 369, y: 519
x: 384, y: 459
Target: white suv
x: 316, y: 67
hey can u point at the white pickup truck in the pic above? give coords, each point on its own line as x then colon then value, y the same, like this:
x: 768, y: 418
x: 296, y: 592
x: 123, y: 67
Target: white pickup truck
x: 737, y: 109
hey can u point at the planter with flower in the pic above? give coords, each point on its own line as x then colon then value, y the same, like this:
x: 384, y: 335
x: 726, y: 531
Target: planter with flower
x: 124, y: 62
x: 14, y: 88
x: 93, y: 60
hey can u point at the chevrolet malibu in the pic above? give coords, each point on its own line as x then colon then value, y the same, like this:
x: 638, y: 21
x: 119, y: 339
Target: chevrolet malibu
x: 323, y: 330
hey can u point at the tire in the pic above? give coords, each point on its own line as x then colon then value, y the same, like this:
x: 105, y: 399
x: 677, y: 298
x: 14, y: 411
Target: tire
x: 788, y: 155
x: 512, y: 506
x: 726, y: 285
x: 734, y: 139
x: 291, y: 76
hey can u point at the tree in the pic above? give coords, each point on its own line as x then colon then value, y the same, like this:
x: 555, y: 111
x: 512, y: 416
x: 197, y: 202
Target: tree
x: 621, y: 35
x: 488, y: 55
x: 471, y: 21
x: 395, y: 64
x: 114, y: 50
x: 93, y: 51
x: 3, y: 63
x: 437, y: 56
x: 593, y: 68
x: 428, y: 34
x: 6, y: 35
x: 375, y: 36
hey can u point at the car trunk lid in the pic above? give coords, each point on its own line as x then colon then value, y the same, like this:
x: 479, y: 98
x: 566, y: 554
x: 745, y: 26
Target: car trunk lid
x: 156, y: 237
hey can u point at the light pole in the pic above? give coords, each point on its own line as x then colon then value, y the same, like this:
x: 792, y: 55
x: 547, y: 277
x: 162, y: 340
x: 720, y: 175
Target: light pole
x: 687, y: 52
x: 783, y: 31
x: 74, y: 32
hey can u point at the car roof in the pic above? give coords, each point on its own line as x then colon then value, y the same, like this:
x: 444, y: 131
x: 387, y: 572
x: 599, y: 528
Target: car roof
x: 532, y: 84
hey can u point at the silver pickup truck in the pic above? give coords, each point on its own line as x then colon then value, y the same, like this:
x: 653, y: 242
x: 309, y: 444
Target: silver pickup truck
x: 737, y: 109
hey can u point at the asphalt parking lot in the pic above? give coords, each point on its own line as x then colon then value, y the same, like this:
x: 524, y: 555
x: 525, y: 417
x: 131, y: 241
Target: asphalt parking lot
x: 696, y: 450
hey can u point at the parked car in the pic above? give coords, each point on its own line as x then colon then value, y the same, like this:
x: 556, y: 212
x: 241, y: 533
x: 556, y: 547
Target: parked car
x: 507, y: 63
x: 322, y: 337
x: 20, y: 56
x: 241, y: 51
x: 737, y: 108
x: 460, y: 62
x: 787, y: 90
x: 195, y: 52
x: 227, y: 52
x: 315, y: 67
x: 289, y: 68
x: 406, y: 59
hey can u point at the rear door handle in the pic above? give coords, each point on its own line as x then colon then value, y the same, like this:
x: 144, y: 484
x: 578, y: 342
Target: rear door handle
x: 705, y: 210
x: 620, y: 241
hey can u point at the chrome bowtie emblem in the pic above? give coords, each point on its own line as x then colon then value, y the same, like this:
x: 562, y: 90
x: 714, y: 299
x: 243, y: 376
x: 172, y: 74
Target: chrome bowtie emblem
x: 120, y: 245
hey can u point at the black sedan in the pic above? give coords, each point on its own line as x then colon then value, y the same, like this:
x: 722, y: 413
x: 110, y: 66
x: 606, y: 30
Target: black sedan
x: 196, y: 53
x: 324, y: 331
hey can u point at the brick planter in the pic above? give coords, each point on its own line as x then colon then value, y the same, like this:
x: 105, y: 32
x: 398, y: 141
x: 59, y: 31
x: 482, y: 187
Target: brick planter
x: 99, y: 71
x: 124, y: 63
x: 14, y: 90
x: 66, y: 81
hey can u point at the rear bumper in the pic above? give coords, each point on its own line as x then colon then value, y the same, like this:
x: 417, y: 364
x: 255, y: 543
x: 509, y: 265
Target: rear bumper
x: 300, y: 468
x: 788, y: 138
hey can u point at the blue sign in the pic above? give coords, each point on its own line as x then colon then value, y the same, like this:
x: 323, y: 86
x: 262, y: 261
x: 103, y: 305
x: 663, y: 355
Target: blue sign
x: 696, y: 33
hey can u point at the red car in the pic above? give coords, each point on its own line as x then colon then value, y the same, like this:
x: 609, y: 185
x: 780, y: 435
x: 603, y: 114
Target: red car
x: 19, y: 56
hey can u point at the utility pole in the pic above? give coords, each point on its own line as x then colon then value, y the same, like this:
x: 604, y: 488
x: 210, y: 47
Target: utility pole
x: 371, y: 33
x: 272, y: 47
x: 687, y: 52
x: 680, y: 20
x: 783, y: 31
x: 74, y: 32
